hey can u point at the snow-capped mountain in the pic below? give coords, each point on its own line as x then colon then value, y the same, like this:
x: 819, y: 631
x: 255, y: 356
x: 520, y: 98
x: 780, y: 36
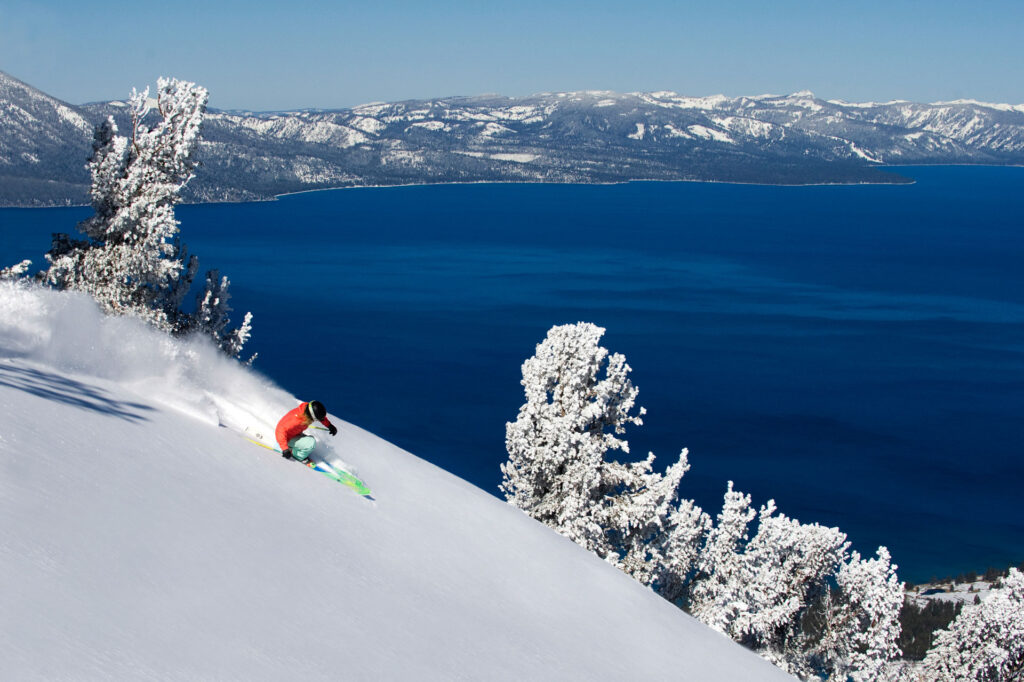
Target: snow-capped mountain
x: 41, y: 145
x: 558, y: 137
x: 144, y: 538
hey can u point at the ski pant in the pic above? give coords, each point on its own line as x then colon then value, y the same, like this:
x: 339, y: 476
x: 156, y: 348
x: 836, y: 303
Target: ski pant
x: 302, y: 446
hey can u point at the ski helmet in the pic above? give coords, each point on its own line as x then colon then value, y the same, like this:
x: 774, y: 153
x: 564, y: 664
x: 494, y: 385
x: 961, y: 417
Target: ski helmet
x: 316, y: 410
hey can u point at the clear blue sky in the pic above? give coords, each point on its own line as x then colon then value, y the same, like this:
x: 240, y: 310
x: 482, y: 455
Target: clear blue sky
x: 310, y: 53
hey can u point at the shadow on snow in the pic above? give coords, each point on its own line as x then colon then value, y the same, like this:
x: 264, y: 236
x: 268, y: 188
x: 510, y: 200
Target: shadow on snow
x: 58, y: 388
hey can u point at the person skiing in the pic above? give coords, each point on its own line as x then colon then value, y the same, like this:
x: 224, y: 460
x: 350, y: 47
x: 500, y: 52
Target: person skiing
x: 294, y: 443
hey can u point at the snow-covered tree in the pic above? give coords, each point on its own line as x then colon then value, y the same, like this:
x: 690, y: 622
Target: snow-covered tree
x: 212, y: 316
x: 15, y: 272
x: 859, y: 621
x: 132, y: 261
x: 579, y: 399
x: 657, y: 536
x: 757, y: 592
x: 761, y: 591
x: 719, y: 564
x: 556, y: 471
x: 985, y: 643
x: 784, y: 566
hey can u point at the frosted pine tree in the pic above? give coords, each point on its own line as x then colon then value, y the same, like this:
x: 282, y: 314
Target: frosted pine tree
x: 556, y: 471
x: 874, y: 597
x: 15, y: 272
x: 758, y: 594
x: 656, y: 535
x: 860, y: 620
x: 212, y: 316
x: 761, y: 592
x: 132, y: 261
x: 712, y: 598
x: 986, y: 641
x: 579, y: 399
x: 785, y: 567
x: 678, y: 549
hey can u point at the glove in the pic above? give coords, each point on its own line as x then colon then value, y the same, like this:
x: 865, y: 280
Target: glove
x: 333, y: 429
x: 287, y: 453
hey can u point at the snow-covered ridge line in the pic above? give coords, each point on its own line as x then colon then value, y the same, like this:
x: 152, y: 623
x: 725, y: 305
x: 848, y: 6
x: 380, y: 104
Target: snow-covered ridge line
x: 976, y: 103
x: 592, y: 136
x: 604, y: 96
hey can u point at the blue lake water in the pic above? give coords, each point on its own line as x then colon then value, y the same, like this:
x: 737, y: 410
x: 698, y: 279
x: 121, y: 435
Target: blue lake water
x: 855, y: 353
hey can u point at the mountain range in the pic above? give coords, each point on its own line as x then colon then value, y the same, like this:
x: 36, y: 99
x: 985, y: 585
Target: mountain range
x: 580, y: 137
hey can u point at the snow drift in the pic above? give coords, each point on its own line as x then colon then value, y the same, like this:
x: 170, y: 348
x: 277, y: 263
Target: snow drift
x: 144, y: 538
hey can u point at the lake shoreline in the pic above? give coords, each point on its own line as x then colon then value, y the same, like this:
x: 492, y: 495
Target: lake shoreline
x: 276, y: 197
x: 909, y: 181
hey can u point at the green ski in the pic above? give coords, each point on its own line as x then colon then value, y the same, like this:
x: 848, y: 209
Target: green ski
x: 341, y: 476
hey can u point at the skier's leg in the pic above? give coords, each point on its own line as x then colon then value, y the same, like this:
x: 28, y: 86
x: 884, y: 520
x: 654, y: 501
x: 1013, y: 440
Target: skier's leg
x: 302, y: 447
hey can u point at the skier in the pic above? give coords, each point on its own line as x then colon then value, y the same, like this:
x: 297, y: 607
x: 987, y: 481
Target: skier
x: 294, y: 443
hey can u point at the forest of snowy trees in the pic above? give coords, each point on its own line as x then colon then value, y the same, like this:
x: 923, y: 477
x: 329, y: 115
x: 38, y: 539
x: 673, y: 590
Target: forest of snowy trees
x: 131, y: 260
x: 791, y: 591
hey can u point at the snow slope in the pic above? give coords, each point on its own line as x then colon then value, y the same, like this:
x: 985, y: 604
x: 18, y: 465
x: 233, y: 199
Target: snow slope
x: 143, y: 538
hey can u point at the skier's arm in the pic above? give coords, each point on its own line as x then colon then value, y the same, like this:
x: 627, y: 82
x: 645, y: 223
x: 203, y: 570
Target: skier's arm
x: 330, y: 427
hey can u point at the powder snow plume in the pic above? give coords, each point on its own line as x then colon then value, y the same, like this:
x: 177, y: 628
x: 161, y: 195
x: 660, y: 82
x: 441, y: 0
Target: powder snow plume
x: 68, y: 331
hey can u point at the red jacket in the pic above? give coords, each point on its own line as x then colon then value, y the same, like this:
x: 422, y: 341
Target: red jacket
x: 294, y: 423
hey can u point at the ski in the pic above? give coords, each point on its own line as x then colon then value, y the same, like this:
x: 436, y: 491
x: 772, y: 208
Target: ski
x: 341, y: 476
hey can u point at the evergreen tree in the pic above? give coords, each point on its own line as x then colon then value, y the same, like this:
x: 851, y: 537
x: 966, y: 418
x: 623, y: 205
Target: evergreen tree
x: 918, y: 625
x: 579, y: 399
x: 212, y: 316
x: 758, y: 591
x: 771, y: 592
x: 985, y: 643
x: 556, y: 471
x: 785, y: 567
x: 861, y: 620
x: 15, y: 272
x: 657, y: 535
x: 131, y: 260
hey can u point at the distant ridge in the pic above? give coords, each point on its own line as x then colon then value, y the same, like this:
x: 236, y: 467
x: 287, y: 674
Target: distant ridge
x: 582, y: 137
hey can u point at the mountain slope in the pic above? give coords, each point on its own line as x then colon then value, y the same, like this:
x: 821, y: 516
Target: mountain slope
x: 551, y: 137
x: 144, y: 538
x: 43, y: 146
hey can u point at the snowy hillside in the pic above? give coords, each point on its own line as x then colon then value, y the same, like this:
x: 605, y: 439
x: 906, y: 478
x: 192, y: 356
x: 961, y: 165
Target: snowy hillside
x: 144, y: 538
x: 550, y: 137
x: 41, y: 144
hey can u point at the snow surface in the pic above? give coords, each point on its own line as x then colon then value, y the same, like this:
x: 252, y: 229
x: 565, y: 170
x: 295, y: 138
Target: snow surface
x: 492, y: 129
x: 143, y: 538
x: 676, y: 132
x: 999, y: 106
x: 955, y: 592
x: 430, y: 125
x: 710, y: 134
x: 863, y: 154
x: 515, y: 158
